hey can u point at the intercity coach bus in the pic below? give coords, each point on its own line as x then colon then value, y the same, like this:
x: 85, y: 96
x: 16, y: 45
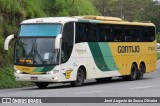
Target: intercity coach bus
x: 72, y: 49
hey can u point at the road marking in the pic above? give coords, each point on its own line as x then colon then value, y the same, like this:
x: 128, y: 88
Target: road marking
x: 87, y: 92
x: 141, y: 87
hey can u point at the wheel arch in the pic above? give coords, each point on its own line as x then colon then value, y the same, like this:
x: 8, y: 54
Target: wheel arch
x: 135, y: 64
x: 84, y: 70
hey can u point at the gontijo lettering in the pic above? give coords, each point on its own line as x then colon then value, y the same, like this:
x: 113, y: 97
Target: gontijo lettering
x: 128, y: 49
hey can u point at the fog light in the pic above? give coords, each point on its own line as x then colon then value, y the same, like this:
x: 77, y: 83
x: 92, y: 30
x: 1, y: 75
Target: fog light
x: 56, y: 78
x: 18, y: 71
x: 52, y: 72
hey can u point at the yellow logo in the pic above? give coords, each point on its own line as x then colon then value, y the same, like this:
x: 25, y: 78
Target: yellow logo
x: 68, y: 74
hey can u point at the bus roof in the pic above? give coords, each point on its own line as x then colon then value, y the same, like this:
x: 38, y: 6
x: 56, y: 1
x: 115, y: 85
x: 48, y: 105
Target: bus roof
x: 111, y: 20
x: 49, y: 20
x: 90, y: 19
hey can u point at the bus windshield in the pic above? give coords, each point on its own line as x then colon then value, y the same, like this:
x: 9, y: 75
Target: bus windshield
x: 36, y: 51
x: 40, y: 30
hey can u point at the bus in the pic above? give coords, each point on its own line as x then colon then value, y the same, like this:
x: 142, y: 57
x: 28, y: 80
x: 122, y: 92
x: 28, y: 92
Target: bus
x: 73, y: 49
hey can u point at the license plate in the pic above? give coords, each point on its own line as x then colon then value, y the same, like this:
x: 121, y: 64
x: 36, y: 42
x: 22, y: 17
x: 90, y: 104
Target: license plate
x: 34, y: 78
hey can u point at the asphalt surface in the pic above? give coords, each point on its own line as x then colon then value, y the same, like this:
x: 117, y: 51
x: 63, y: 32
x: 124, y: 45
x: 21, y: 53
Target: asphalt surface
x: 149, y: 86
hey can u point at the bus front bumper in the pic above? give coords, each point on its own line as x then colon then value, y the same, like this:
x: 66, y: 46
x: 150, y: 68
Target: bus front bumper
x: 37, y: 78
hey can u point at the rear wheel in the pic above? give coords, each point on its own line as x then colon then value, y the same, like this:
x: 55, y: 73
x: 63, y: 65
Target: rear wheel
x: 141, y: 71
x: 42, y: 85
x: 80, y: 78
x: 133, y: 74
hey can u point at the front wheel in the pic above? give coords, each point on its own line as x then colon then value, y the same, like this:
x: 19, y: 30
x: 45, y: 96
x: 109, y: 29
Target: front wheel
x: 80, y: 78
x: 42, y: 85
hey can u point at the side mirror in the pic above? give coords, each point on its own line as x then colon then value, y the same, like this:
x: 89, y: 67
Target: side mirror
x: 57, y: 41
x: 8, y: 39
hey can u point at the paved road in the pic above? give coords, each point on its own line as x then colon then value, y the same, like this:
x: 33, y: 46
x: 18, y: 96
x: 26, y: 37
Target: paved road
x: 147, y: 87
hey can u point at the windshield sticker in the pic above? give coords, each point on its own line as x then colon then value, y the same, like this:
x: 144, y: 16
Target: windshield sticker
x: 46, y: 56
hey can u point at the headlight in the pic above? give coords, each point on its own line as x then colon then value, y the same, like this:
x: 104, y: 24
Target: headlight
x: 18, y: 71
x: 52, y: 72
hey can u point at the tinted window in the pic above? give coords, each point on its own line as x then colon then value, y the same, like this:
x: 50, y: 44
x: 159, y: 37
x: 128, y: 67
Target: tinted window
x: 149, y: 34
x: 82, y: 32
x: 105, y: 33
x: 138, y: 34
x: 87, y: 32
x: 118, y: 35
x: 67, y: 41
x: 93, y: 35
x: 40, y: 30
x: 127, y: 34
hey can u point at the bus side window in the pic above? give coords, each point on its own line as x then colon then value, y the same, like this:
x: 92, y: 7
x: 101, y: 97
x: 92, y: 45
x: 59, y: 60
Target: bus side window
x: 146, y: 35
x: 92, y: 36
x: 82, y: 32
x: 109, y: 34
x: 137, y: 34
x: 77, y: 40
x: 151, y: 34
x: 127, y: 34
x: 118, y: 35
x: 106, y: 35
x: 103, y: 35
x: 83, y: 35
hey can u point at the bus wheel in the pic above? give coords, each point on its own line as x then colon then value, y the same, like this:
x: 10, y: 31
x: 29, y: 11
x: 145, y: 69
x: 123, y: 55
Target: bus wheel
x: 80, y: 78
x: 101, y: 80
x: 133, y: 74
x: 42, y: 85
x: 141, y: 71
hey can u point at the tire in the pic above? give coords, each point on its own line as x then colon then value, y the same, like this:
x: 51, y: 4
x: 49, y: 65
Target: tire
x: 80, y: 78
x: 125, y: 78
x: 133, y: 74
x: 141, y: 71
x: 102, y: 80
x: 42, y: 85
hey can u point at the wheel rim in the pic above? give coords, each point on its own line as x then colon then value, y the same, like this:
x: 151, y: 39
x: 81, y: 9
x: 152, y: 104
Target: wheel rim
x: 141, y: 71
x: 134, y: 72
x: 79, y: 78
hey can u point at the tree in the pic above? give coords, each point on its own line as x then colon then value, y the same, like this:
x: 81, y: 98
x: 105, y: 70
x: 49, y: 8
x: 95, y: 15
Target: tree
x: 131, y: 10
x: 158, y: 37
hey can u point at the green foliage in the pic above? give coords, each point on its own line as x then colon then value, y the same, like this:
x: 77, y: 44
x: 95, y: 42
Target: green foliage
x: 158, y: 37
x: 158, y: 56
x: 70, y: 8
x: 132, y: 10
x: 7, y: 78
x: 12, y: 12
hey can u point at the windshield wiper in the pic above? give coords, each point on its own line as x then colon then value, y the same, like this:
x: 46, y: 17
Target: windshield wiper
x: 21, y: 43
x: 32, y: 49
x: 54, y: 56
x: 36, y: 52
